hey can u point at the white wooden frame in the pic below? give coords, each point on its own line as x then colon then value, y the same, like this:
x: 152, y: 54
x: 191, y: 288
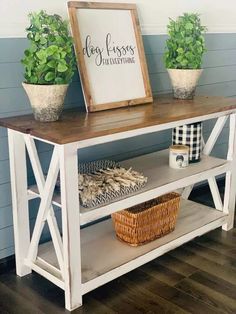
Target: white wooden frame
x: 86, y: 74
x: 67, y: 246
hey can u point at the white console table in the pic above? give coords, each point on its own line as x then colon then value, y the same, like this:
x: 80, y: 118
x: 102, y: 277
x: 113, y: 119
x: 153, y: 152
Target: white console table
x: 79, y: 261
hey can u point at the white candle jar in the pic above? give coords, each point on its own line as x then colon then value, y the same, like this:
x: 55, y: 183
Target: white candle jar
x: 178, y: 156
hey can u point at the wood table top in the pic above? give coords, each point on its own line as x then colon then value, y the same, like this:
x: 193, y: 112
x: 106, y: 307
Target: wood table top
x: 77, y: 125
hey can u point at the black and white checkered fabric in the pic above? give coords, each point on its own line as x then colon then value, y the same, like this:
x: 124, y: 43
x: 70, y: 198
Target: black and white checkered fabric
x: 190, y: 135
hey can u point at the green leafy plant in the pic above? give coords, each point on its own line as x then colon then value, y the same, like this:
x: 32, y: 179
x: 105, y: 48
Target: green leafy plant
x: 50, y: 57
x: 185, y: 45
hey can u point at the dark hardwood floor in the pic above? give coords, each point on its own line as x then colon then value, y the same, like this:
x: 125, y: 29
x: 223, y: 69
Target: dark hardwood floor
x: 199, y: 277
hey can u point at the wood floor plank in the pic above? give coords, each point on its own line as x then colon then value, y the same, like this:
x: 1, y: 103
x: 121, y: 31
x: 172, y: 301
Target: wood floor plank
x: 215, y: 283
x: 223, y: 272
x: 172, y: 294
x: 7, y: 264
x: 91, y: 305
x: 210, y: 254
x: 221, y: 302
x: 121, y: 298
x: 12, y: 303
x: 21, y: 287
x: 152, y: 302
x: 233, y: 231
x: 224, y: 237
x: 216, y: 246
x: 118, y: 299
x: 232, y: 253
x: 162, y: 273
x: 47, y: 297
x: 176, y: 265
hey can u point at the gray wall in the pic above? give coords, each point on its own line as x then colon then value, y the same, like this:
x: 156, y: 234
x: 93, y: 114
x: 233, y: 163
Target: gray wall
x: 219, y: 78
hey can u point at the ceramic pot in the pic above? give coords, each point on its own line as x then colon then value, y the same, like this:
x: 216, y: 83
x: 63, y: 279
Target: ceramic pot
x: 184, y: 82
x: 46, y: 100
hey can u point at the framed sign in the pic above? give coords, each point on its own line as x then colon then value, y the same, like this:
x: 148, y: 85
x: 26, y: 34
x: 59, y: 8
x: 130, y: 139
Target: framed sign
x: 110, y: 54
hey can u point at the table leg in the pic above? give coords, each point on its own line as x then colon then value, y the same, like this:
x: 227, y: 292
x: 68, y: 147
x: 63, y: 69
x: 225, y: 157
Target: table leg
x: 71, y: 225
x: 230, y: 180
x: 18, y: 170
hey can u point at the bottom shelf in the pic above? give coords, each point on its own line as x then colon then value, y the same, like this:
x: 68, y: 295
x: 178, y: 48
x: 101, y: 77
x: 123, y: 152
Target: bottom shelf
x: 103, y: 253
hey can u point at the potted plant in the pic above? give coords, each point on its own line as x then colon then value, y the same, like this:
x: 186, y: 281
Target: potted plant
x: 183, y: 56
x: 49, y: 64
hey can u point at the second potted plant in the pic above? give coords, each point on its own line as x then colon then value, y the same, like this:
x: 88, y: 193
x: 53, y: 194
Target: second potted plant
x: 183, y: 56
x: 49, y: 65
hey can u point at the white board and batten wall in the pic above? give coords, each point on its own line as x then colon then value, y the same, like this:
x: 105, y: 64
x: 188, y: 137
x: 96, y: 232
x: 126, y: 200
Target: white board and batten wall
x: 219, y: 16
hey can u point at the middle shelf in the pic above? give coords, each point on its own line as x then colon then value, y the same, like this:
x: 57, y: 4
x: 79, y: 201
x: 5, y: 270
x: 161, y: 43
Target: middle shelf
x: 161, y: 179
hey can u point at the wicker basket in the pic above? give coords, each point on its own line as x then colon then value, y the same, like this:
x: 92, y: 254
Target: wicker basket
x: 147, y: 221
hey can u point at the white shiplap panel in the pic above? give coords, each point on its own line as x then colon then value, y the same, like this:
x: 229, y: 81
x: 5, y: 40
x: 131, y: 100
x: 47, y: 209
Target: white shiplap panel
x: 154, y: 15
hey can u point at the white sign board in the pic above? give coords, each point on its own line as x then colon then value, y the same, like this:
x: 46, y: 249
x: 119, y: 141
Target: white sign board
x: 110, y: 55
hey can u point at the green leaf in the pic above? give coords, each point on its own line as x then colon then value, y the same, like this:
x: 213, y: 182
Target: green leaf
x: 63, y: 54
x: 57, y: 56
x: 52, y: 64
x: 189, y: 55
x: 63, y: 62
x: 52, y: 50
x: 62, y: 67
x: 179, y: 58
x: 27, y: 53
x: 33, y: 48
x: 60, y: 40
x: 41, y: 54
x: 36, y: 21
x: 180, y: 50
x: 33, y: 80
x: 184, y: 62
x: 189, y: 26
x: 50, y: 76
x: 189, y: 40
x: 59, y: 80
x: 43, y: 40
x: 199, y: 49
x: 37, y: 37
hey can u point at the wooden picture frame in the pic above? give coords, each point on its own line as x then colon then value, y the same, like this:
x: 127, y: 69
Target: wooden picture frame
x: 110, y: 54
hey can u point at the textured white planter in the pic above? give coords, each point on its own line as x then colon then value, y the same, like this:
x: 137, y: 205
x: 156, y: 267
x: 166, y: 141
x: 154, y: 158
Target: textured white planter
x: 184, y: 82
x: 46, y: 100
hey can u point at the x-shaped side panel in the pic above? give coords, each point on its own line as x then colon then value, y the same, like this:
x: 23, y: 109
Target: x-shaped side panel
x: 46, y: 212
